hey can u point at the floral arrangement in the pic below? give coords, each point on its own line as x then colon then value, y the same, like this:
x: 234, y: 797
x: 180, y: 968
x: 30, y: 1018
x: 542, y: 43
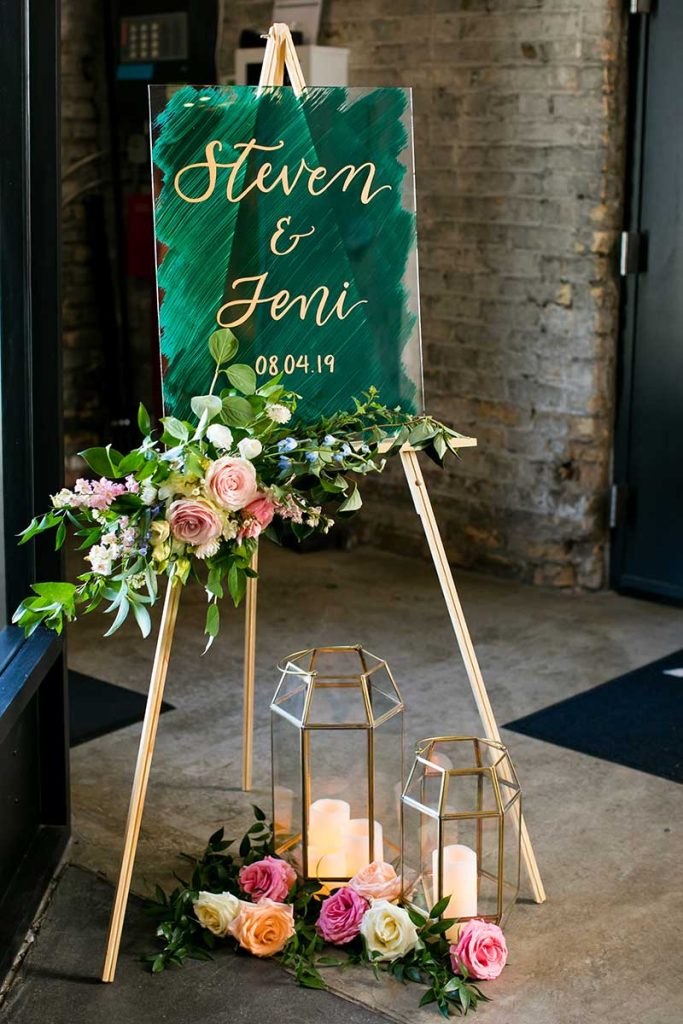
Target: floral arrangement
x: 253, y: 901
x: 193, y: 501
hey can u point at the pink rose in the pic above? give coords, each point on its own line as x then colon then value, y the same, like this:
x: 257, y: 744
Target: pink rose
x: 259, y: 514
x: 193, y: 521
x: 231, y: 482
x: 341, y: 915
x: 270, y: 878
x: 481, y: 949
x: 377, y: 881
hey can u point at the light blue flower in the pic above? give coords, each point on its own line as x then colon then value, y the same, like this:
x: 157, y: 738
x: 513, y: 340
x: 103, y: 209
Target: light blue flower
x: 329, y: 440
x: 287, y: 444
x: 346, y: 449
x: 283, y: 462
x: 338, y: 457
x: 312, y: 456
x: 365, y: 448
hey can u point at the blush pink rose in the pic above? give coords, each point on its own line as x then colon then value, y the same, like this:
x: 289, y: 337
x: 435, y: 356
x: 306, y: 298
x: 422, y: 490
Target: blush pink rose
x: 231, y: 482
x: 377, y: 881
x: 341, y: 915
x: 481, y: 949
x: 260, y: 515
x: 270, y: 878
x: 193, y: 521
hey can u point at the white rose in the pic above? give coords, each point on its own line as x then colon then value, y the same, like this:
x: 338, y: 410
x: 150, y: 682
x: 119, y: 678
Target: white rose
x: 220, y: 436
x: 217, y: 911
x: 148, y: 494
x: 388, y: 930
x: 250, y: 447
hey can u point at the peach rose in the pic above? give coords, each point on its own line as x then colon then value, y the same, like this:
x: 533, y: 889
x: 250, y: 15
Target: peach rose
x: 193, y: 521
x: 231, y: 482
x: 377, y: 881
x: 264, y: 928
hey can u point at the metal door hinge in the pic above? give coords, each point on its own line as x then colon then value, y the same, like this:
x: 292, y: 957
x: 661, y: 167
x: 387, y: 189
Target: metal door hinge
x: 640, y: 6
x: 618, y: 503
x: 632, y: 253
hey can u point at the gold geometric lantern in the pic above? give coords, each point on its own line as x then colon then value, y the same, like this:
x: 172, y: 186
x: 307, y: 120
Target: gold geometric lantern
x: 337, y: 759
x: 461, y: 814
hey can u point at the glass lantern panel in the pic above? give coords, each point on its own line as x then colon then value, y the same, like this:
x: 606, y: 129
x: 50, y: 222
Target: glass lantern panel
x: 419, y: 836
x: 460, y: 872
x: 388, y: 781
x: 337, y: 702
x: 287, y: 807
x: 382, y: 693
x: 507, y: 780
x: 337, y: 769
x: 290, y: 695
x: 338, y: 662
x: 470, y: 792
x: 487, y: 843
x: 425, y: 786
x: 511, y: 854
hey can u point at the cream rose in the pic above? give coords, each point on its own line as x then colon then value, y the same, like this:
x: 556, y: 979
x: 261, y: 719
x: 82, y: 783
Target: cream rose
x: 231, y: 482
x: 264, y: 928
x: 388, y: 930
x: 250, y: 447
x: 220, y: 436
x: 217, y: 911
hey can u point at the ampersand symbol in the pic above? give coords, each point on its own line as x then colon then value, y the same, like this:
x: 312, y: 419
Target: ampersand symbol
x: 294, y: 237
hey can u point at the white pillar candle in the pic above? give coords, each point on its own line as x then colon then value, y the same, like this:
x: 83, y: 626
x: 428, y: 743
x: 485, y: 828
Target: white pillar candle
x: 328, y: 822
x: 357, y: 844
x: 459, y: 882
x: 326, y: 864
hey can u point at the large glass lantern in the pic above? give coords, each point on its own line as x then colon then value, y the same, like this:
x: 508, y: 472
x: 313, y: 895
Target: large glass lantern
x: 462, y: 809
x: 337, y: 737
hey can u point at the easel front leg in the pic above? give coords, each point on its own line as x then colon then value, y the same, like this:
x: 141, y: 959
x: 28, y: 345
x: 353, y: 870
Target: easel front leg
x: 142, y: 769
x: 249, y: 676
x: 423, y: 507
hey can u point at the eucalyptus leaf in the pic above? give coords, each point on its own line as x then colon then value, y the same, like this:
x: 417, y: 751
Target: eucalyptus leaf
x: 223, y: 346
x: 242, y: 377
x: 211, y: 404
x: 237, y: 411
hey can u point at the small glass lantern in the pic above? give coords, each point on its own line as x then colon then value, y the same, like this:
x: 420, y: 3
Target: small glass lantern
x: 462, y: 808
x: 337, y: 744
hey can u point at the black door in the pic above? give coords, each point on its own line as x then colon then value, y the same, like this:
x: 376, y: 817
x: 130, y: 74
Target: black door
x: 648, y: 513
x: 34, y: 806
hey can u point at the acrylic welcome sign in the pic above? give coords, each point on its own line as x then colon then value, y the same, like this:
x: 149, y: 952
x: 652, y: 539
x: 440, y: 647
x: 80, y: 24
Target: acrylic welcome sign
x: 291, y: 221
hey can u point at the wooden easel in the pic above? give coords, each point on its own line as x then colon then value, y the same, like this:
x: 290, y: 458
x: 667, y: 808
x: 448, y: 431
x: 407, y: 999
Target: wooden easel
x: 280, y: 53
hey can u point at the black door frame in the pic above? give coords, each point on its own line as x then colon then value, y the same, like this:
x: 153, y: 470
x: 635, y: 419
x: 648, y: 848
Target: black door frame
x: 33, y: 695
x: 622, y: 505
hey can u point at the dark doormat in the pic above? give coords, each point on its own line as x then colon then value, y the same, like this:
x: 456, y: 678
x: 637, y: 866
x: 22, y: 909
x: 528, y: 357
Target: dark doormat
x: 635, y: 720
x: 96, y: 707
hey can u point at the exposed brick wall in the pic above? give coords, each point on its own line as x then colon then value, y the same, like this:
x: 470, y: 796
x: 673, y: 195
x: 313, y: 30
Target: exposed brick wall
x: 519, y: 146
x: 83, y: 358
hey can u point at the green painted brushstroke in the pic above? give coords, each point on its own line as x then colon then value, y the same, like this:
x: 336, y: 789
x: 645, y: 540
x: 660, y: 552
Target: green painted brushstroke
x: 211, y: 244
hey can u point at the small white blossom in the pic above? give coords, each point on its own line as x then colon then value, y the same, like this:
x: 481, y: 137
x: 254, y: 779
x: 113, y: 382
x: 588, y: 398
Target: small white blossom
x: 231, y: 529
x: 278, y: 413
x: 220, y: 436
x: 207, y: 550
x: 250, y: 447
x: 63, y: 498
x: 148, y: 494
x: 100, y: 559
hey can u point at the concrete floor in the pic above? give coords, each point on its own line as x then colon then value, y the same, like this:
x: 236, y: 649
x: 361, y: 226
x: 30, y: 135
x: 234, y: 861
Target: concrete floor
x: 607, y: 838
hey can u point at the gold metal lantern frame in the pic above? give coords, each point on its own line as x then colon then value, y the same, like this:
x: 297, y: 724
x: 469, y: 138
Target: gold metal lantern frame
x: 337, y: 760
x: 461, y: 813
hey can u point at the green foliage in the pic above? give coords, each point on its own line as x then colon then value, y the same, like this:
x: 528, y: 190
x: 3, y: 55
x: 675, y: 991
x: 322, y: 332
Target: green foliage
x: 310, y: 471
x: 217, y: 871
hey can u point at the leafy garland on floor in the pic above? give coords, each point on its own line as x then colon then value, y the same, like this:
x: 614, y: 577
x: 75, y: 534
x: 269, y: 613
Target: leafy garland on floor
x: 217, y: 871
x: 193, y: 501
